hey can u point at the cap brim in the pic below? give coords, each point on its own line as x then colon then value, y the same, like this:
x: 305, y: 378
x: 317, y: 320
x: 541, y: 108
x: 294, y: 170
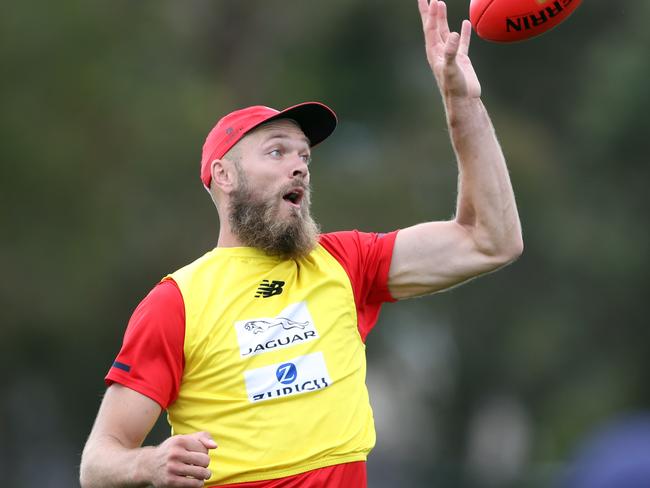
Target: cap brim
x: 315, y: 119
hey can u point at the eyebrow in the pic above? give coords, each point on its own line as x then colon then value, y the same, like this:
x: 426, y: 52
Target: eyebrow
x: 280, y: 135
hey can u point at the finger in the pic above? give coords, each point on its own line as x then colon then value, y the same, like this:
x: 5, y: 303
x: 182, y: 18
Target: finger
x: 423, y: 6
x: 194, y: 445
x: 465, y: 37
x: 451, y: 47
x: 185, y: 482
x: 207, y: 440
x: 195, y: 458
x: 199, y: 442
x: 443, y: 24
x: 429, y: 22
x: 196, y: 472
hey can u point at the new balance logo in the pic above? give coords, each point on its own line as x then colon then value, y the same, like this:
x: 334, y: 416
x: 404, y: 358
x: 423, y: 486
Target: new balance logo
x: 268, y: 289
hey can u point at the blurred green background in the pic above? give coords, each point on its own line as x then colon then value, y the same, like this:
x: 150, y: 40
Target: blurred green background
x: 105, y: 106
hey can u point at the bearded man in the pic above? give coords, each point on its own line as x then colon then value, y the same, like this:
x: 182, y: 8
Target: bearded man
x: 256, y: 350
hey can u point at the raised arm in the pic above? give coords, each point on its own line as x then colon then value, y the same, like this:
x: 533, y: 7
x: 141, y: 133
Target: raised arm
x: 485, y: 233
x: 113, y: 457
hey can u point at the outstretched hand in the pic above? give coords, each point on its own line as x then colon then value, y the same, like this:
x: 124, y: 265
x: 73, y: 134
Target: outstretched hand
x: 447, y: 52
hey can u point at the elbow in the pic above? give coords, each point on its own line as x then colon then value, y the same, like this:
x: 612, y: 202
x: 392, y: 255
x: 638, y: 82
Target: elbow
x: 511, y: 250
x: 86, y: 478
x: 516, y: 247
x: 502, y: 252
x: 83, y: 478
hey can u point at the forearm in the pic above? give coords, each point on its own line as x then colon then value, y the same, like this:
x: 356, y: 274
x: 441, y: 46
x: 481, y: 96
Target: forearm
x: 106, y: 463
x: 486, y: 202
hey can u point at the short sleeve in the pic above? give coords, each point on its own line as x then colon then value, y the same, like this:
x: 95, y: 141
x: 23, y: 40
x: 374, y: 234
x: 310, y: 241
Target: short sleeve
x: 366, y: 258
x: 151, y: 359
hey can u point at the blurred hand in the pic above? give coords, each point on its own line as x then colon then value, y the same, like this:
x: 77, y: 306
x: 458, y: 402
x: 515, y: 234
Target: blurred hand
x: 447, y: 52
x: 181, y: 461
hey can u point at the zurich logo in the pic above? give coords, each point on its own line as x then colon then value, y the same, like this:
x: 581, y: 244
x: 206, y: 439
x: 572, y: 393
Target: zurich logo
x: 286, y: 373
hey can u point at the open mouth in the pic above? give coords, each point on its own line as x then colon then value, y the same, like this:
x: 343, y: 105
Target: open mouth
x: 294, y: 197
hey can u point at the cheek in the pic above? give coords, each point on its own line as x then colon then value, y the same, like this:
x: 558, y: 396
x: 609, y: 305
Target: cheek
x: 263, y: 179
x: 268, y: 185
x: 263, y: 190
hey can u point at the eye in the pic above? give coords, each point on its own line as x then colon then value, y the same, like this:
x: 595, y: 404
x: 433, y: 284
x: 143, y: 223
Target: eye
x: 275, y: 153
x: 306, y: 158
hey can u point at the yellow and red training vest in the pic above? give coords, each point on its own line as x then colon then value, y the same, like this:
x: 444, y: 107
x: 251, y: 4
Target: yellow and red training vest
x: 273, y: 356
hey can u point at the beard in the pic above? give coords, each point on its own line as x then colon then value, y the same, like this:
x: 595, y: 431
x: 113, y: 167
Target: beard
x: 256, y: 223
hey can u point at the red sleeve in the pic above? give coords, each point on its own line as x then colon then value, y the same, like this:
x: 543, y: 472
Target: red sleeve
x: 151, y: 360
x: 366, y: 259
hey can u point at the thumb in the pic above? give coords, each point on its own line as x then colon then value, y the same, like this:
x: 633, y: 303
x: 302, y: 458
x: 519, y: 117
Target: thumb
x: 207, y: 440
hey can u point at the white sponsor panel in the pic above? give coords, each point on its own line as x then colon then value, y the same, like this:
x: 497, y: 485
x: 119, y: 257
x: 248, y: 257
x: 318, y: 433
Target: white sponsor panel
x: 293, y: 325
x: 302, y: 374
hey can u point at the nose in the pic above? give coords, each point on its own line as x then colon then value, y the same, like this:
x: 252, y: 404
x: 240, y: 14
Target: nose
x: 299, y: 168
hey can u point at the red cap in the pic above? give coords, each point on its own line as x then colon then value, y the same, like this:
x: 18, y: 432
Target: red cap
x: 315, y: 119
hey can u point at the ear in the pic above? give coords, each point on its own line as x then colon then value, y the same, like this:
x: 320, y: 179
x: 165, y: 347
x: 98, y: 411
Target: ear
x: 223, y: 175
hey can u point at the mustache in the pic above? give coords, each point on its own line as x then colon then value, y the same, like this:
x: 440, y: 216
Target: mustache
x: 296, y: 183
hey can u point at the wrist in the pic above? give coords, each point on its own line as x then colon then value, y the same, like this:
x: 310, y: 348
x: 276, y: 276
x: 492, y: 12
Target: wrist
x: 469, y: 123
x: 143, y: 466
x: 462, y: 102
x: 463, y: 111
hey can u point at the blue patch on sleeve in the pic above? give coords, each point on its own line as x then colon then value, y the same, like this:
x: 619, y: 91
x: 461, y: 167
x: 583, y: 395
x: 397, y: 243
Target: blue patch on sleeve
x: 122, y: 366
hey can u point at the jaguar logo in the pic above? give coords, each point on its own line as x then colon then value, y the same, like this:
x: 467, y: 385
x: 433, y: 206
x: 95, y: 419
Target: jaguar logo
x: 259, y: 326
x: 291, y: 326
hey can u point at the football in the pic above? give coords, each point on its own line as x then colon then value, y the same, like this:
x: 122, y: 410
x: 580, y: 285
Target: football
x: 516, y: 20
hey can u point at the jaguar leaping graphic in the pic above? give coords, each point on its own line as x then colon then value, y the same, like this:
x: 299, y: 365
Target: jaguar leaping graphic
x: 259, y: 326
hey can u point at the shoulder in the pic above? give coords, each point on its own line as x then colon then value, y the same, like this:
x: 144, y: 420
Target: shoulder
x: 356, y: 243
x: 161, y: 304
x: 165, y: 294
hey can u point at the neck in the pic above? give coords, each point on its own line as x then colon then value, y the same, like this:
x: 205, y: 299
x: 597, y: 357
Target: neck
x: 227, y: 239
x: 226, y: 236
